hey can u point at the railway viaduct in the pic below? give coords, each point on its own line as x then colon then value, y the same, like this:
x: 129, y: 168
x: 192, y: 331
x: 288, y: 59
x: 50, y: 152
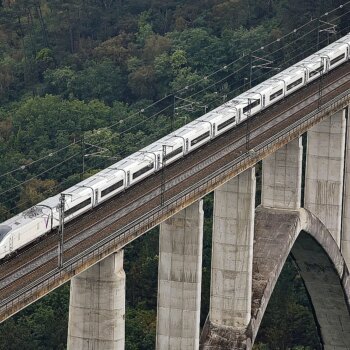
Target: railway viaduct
x: 249, y: 244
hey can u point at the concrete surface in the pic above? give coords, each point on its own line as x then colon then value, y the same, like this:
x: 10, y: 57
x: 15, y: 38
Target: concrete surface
x: 345, y: 237
x: 324, y: 172
x: 97, y: 307
x: 179, y: 279
x: 281, y: 177
x: 232, y: 251
x: 324, y: 288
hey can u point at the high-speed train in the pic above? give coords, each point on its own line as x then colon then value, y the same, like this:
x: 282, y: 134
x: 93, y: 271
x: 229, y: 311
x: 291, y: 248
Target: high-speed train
x: 30, y: 225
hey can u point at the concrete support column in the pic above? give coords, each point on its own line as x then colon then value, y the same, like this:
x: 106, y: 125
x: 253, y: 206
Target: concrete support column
x: 345, y: 238
x: 97, y: 307
x: 281, y: 177
x: 179, y: 280
x: 232, y: 252
x: 324, y: 172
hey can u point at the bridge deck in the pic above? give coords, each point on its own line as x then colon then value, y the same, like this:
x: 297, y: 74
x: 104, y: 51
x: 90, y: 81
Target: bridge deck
x: 88, y: 239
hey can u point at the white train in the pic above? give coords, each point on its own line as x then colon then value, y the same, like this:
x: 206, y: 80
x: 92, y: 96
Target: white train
x: 43, y: 217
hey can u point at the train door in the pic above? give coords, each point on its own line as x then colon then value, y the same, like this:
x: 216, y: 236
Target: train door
x: 263, y: 101
x: 128, y: 179
x: 186, y: 147
x: 325, y: 62
x: 158, y: 162
x: 96, y: 196
x: 11, y: 243
x: 214, y: 126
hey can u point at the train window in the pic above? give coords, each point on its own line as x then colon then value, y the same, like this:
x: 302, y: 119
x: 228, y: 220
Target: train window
x: 294, y: 84
x: 316, y: 71
x: 226, y: 123
x: 173, y: 153
x: 276, y: 94
x: 112, y: 188
x: 200, y: 138
x: 337, y: 59
x: 251, y: 106
x: 142, y: 170
x: 77, y: 207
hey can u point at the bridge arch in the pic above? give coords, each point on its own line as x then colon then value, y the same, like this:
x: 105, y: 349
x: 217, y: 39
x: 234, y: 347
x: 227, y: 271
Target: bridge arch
x: 322, y: 267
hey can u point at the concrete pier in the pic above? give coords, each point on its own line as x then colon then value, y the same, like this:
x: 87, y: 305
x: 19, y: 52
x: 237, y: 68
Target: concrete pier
x: 281, y: 177
x: 179, y: 280
x: 97, y: 307
x: 345, y: 237
x: 324, y: 172
x: 232, y: 252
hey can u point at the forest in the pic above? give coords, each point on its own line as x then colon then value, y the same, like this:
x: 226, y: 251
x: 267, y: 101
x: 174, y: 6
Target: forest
x: 84, y: 83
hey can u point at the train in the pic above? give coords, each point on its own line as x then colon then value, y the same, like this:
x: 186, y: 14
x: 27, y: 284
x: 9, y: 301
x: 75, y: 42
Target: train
x: 32, y: 224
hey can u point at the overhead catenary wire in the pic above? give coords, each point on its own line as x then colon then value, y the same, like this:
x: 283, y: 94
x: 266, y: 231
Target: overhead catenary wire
x: 237, y: 89
x: 69, y: 158
x: 180, y: 90
x: 267, y: 74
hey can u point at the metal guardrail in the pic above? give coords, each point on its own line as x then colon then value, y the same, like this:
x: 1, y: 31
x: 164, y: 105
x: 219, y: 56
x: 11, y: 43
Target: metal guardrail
x: 149, y: 219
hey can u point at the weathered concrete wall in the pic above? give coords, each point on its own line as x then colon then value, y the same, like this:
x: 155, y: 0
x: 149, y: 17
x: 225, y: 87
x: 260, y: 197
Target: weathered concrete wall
x: 276, y: 232
x: 281, y: 177
x: 97, y: 307
x: 324, y: 172
x: 232, y: 256
x: 232, y: 251
x: 325, y: 290
x: 179, y: 279
x: 345, y: 237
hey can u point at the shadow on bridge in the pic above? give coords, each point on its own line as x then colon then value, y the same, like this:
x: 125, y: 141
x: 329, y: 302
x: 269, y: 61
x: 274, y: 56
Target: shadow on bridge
x: 279, y: 233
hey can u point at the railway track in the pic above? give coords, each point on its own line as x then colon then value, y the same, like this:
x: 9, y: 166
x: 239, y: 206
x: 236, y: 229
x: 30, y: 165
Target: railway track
x: 110, y: 216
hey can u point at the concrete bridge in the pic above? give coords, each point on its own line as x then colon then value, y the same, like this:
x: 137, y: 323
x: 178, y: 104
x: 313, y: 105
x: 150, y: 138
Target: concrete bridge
x: 248, y: 252
x: 249, y: 249
x: 249, y: 245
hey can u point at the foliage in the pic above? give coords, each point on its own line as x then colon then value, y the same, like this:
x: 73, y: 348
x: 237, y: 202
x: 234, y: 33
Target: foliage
x: 78, y: 76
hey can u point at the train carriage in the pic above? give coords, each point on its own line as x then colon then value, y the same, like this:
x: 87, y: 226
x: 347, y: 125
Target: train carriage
x: 78, y: 199
x: 335, y: 54
x: 293, y: 78
x: 136, y: 167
